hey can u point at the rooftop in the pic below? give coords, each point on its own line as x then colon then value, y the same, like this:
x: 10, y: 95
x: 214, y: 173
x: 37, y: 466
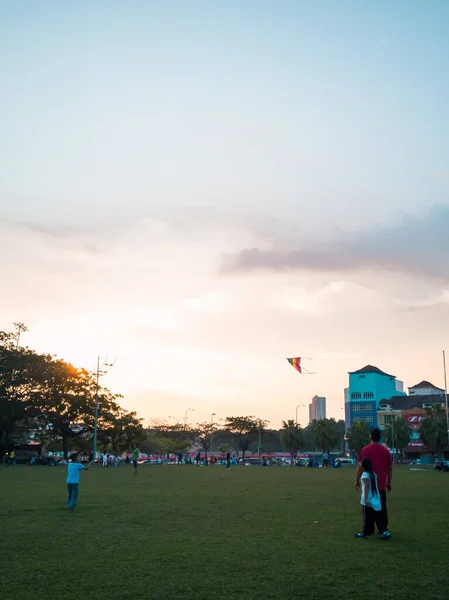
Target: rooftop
x: 371, y: 369
x: 425, y: 384
x: 407, y: 402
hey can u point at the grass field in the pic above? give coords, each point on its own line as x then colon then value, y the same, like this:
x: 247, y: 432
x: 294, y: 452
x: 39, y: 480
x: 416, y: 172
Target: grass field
x: 204, y: 533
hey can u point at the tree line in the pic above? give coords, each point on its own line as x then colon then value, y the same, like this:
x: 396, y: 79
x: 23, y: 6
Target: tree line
x: 46, y: 399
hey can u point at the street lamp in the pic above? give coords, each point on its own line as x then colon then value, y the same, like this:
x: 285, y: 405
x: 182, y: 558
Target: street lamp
x: 185, y: 416
x: 297, y: 412
x: 259, y: 446
x: 103, y: 370
x: 175, y: 419
x: 211, y: 434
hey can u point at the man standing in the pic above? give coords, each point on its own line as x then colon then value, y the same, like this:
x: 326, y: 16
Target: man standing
x: 135, y: 459
x: 383, y: 467
x: 325, y: 459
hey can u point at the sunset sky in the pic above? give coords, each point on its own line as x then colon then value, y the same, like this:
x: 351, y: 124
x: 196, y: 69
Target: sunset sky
x: 202, y: 189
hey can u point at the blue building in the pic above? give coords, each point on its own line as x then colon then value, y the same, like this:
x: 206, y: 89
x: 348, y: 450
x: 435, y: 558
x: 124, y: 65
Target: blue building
x: 367, y: 387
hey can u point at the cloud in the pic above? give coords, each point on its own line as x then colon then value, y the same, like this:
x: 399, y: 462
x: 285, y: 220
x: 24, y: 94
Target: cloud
x: 413, y: 245
x: 337, y: 296
x: 211, y: 302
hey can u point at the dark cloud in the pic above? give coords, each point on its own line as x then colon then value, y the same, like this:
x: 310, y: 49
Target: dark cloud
x: 414, y: 245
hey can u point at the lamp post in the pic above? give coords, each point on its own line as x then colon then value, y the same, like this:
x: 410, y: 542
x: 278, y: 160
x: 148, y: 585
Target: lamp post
x: 392, y: 435
x: 445, y: 395
x: 175, y: 419
x: 105, y: 368
x: 211, y: 432
x: 185, y: 416
x: 296, y: 422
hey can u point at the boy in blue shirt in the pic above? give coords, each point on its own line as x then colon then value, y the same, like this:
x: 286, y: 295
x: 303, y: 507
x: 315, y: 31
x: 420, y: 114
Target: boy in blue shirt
x: 73, y: 479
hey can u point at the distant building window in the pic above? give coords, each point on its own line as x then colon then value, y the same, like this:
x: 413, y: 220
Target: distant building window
x: 356, y: 395
x: 361, y: 376
x: 368, y: 394
x: 388, y: 418
x: 365, y: 418
x: 411, y: 393
x: 362, y: 407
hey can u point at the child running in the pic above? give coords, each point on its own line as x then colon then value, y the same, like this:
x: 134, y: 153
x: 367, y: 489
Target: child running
x: 371, y: 504
x: 73, y: 479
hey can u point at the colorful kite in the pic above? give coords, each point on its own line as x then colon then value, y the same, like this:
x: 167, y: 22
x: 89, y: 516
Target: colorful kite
x: 296, y: 364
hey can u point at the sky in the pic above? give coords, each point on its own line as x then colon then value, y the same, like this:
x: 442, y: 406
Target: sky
x: 202, y: 189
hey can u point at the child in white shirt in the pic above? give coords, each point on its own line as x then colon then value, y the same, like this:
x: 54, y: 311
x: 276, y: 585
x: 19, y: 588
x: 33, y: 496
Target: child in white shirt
x: 371, y: 503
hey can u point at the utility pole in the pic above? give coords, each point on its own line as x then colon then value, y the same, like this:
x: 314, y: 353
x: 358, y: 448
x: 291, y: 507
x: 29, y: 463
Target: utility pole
x: 20, y: 328
x: 259, y: 447
x: 211, y: 431
x: 105, y: 368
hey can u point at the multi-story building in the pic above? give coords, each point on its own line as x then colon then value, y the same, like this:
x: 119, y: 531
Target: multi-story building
x: 367, y: 387
x: 412, y: 408
x: 317, y: 408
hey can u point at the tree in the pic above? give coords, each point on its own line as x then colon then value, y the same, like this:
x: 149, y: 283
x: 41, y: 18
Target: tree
x: 325, y: 433
x: 402, y: 433
x: 17, y: 382
x: 358, y: 436
x: 48, y: 396
x: 204, y: 433
x: 291, y: 437
x: 119, y: 429
x: 433, y: 429
x: 244, y: 430
x: 308, y: 439
x: 62, y: 401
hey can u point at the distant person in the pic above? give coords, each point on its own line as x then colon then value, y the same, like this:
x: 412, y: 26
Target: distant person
x: 325, y: 460
x: 228, y: 461
x: 198, y: 458
x: 438, y: 466
x: 383, y: 467
x: 234, y: 461
x: 73, y: 478
x: 91, y: 456
x: 179, y: 458
x: 12, y: 458
x: 135, y: 459
x: 371, y: 503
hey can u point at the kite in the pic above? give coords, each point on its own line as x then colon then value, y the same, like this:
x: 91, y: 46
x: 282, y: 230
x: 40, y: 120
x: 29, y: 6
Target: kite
x: 296, y: 364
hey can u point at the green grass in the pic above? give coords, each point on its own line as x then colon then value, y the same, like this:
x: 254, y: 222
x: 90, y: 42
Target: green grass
x: 203, y: 533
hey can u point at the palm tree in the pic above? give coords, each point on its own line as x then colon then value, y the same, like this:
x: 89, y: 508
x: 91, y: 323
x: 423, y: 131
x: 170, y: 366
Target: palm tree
x: 326, y: 434
x: 291, y: 437
x: 433, y: 430
x: 358, y: 436
x: 402, y: 433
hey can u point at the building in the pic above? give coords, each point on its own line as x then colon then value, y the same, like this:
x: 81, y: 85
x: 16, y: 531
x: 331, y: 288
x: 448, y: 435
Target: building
x: 425, y: 388
x: 317, y: 408
x: 412, y: 408
x: 367, y: 388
